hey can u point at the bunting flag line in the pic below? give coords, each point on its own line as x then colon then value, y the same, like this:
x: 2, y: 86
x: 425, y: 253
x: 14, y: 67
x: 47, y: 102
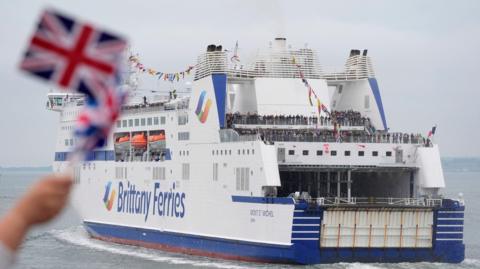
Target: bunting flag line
x: 310, y: 96
x: 171, y: 77
x: 321, y: 107
x: 78, y: 57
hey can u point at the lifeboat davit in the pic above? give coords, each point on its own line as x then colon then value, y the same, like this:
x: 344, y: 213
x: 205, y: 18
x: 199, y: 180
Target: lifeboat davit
x: 139, y: 141
x: 157, y: 141
x: 123, y: 142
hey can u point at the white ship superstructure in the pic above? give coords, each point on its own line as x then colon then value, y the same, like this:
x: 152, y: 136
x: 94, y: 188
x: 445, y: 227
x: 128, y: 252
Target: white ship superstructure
x: 246, y: 168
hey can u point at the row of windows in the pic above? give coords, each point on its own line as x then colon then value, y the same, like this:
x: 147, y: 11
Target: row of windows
x: 141, y: 122
x: 67, y: 128
x: 361, y: 153
x: 120, y: 172
x: 183, y: 152
x: 69, y: 142
x: 183, y: 136
x: 182, y: 119
x: 242, y: 176
x: 215, y: 172
x: 158, y: 173
x: 229, y: 152
x: 70, y: 113
x: 185, y: 171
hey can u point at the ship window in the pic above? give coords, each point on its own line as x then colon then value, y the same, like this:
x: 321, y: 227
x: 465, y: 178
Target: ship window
x: 149, y: 121
x: 248, y: 152
x: 243, y: 151
x: 185, y: 171
x: 305, y: 152
x: 340, y: 88
x: 291, y: 152
x: 319, y: 153
x: 389, y: 154
x: 119, y: 124
x: 347, y: 152
x: 182, y: 119
x: 142, y: 122
x: 333, y: 153
x: 130, y: 123
x: 242, y: 176
x: 158, y: 173
x: 183, y: 136
x: 374, y: 153
x: 367, y: 101
x: 137, y: 122
x: 66, y: 142
x: 124, y: 123
x: 71, y: 142
x: 253, y: 151
x: 215, y: 172
x: 361, y: 153
x: 162, y: 120
x: 216, y: 152
x: 229, y: 152
x: 155, y: 121
x: 221, y: 152
x: 238, y: 152
x: 213, y: 152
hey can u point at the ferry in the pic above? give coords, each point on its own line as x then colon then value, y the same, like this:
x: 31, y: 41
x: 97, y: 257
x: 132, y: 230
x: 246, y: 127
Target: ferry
x: 245, y: 167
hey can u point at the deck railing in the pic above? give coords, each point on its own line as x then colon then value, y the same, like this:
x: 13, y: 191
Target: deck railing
x: 374, y: 201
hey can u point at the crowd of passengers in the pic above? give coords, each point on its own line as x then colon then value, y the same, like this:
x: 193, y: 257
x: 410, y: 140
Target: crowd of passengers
x: 313, y: 135
x: 344, y: 118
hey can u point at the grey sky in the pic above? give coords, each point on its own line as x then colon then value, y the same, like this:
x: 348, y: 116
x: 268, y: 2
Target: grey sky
x: 426, y: 56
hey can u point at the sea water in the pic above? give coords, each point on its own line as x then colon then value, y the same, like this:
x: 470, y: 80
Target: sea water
x: 64, y: 243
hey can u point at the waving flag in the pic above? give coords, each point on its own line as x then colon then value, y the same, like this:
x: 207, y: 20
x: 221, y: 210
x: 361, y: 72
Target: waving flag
x: 78, y: 57
x: 69, y: 53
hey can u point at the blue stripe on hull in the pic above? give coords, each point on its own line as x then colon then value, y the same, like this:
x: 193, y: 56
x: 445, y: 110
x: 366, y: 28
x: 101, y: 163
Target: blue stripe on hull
x: 302, y: 252
x: 222, y: 247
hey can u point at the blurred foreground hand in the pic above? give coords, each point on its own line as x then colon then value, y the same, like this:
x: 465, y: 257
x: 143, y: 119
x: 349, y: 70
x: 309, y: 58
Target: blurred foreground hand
x: 42, y: 202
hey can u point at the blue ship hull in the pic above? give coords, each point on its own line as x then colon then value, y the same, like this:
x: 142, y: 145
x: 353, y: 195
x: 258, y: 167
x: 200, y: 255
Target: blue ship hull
x: 446, y: 247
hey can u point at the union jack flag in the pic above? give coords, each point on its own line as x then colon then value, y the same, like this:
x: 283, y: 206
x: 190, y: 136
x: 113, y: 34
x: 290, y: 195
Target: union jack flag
x: 72, y: 54
x: 78, y: 57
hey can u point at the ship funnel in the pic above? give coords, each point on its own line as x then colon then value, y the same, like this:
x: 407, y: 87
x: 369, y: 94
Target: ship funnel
x: 211, y: 48
x: 280, y: 43
x: 359, y: 64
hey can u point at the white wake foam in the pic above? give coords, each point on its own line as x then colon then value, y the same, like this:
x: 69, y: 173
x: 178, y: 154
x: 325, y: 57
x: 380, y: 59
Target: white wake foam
x: 78, y: 236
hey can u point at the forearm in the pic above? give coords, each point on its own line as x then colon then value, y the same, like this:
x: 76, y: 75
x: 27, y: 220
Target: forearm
x: 13, y: 229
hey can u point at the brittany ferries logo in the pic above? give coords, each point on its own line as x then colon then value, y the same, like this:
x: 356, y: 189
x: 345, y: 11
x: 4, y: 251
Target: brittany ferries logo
x: 106, y: 200
x: 203, y: 113
x: 131, y: 199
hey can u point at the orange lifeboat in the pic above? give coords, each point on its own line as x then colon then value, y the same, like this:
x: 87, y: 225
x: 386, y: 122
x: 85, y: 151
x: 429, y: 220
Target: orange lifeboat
x: 139, y: 141
x: 122, y: 142
x: 123, y: 139
x: 155, y: 138
x: 157, y: 142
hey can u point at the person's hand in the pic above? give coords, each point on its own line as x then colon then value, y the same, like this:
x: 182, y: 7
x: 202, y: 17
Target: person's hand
x: 45, y: 199
x: 41, y: 203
